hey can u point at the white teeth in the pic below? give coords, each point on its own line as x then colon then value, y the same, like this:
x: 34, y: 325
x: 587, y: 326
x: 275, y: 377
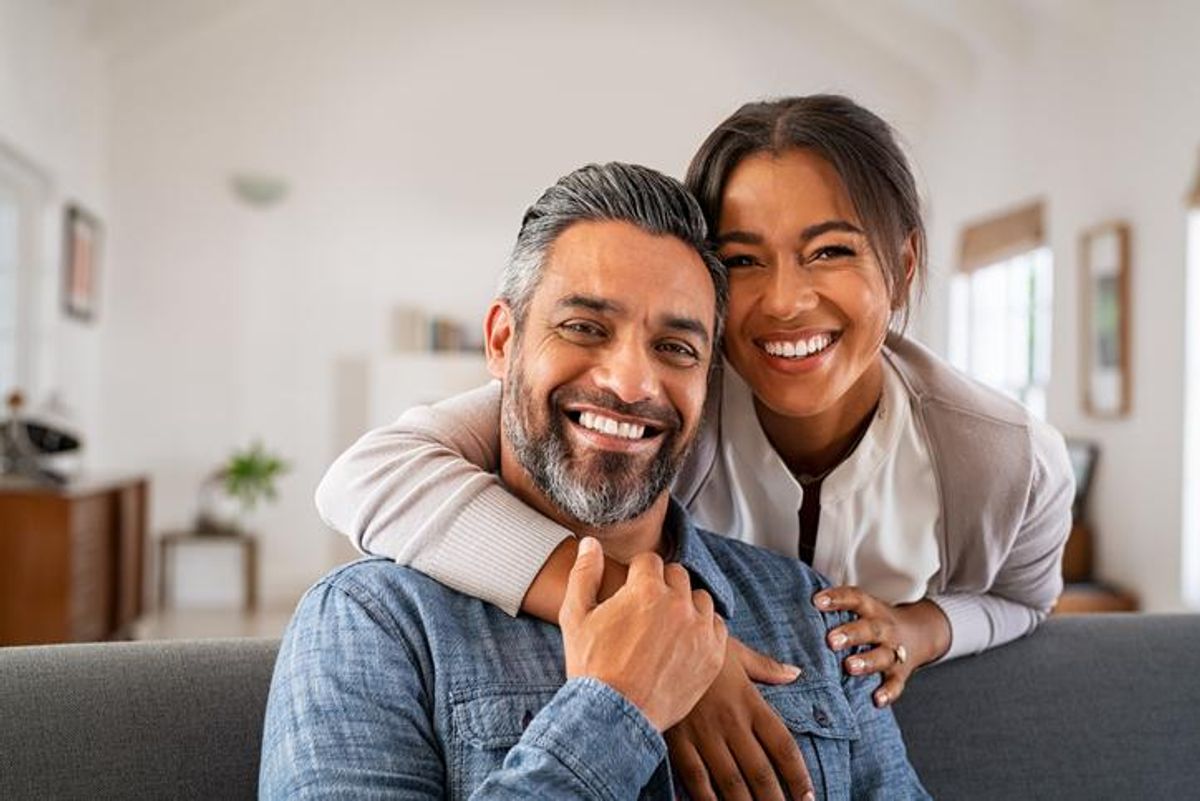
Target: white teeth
x: 800, y: 348
x: 606, y: 425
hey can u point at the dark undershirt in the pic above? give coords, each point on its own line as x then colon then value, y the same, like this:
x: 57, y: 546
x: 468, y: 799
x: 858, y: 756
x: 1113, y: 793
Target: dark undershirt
x: 810, y: 505
x: 810, y: 518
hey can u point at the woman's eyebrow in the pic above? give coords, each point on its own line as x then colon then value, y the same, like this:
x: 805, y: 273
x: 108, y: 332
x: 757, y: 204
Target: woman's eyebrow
x: 739, y: 237
x: 811, y: 232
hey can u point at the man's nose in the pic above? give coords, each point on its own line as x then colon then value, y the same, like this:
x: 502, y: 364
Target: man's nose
x: 627, y: 371
x: 790, y: 291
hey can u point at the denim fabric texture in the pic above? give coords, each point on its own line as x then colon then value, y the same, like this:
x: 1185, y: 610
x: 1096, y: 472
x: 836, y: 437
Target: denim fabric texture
x: 390, y: 685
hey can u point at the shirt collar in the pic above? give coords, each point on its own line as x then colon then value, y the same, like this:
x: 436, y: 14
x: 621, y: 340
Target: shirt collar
x: 740, y: 428
x: 691, y: 551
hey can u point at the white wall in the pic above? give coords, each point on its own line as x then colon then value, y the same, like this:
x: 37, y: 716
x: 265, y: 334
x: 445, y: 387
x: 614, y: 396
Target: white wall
x: 413, y: 139
x: 53, y: 108
x: 1102, y: 118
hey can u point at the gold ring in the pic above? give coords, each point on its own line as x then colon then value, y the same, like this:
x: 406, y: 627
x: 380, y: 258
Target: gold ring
x: 901, y: 654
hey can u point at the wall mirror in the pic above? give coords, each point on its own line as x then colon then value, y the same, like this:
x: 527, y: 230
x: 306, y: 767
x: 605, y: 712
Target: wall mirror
x: 1106, y: 308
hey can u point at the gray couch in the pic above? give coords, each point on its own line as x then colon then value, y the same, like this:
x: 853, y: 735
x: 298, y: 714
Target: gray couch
x: 1087, y: 707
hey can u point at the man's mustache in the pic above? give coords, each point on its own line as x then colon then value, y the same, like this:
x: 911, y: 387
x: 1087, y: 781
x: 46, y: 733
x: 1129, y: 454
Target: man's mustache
x: 662, y: 415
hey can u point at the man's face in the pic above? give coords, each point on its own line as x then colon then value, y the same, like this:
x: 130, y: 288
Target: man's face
x: 605, y: 382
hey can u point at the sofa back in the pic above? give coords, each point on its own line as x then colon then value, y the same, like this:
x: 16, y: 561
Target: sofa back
x: 1086, y: 707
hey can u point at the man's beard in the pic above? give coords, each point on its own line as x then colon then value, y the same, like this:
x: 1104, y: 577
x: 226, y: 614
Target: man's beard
x: 604, y: 487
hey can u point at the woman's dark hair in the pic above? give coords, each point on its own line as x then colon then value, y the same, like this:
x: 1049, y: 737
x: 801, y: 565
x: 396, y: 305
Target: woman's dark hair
x: 860, y: 146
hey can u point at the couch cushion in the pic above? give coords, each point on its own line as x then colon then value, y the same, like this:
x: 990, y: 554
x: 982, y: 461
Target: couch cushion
x: 177, y: 720
x: 1093, y: 706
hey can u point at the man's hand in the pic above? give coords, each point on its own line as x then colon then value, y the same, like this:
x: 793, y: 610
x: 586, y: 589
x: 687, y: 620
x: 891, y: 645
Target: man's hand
x: 905, y: 637
x: 733, y: 744
x: 656, y: 641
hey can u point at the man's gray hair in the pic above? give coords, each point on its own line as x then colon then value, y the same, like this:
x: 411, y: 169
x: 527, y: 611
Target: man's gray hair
x: 629, y: 193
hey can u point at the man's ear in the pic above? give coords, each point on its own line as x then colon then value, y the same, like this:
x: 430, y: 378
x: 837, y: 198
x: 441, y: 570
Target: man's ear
x: 499, y: 336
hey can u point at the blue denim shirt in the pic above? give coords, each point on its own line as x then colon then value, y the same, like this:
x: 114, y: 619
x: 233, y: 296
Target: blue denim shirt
x: 390, y: 685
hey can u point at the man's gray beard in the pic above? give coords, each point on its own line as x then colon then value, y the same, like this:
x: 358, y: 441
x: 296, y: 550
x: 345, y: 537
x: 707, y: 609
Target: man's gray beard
x: 617, y: 493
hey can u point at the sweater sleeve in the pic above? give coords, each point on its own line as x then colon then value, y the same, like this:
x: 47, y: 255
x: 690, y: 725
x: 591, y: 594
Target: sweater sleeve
x: 422, y: 491
x: 1029, y: 580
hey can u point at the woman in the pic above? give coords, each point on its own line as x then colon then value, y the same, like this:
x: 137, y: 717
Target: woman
x: 944, y: 504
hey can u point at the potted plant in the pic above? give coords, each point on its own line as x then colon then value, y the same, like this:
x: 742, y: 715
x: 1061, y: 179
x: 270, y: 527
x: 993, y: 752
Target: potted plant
x: 235, y: 489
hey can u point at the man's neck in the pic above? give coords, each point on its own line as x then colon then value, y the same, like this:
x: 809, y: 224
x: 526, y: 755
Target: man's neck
x: 621, y: 541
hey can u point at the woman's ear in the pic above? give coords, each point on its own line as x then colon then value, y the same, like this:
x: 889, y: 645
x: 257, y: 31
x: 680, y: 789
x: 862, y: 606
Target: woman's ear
x: 498, y: 337
x: 910, y: 256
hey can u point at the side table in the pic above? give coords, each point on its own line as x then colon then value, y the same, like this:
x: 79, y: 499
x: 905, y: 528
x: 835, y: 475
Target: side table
x: 247, y: 543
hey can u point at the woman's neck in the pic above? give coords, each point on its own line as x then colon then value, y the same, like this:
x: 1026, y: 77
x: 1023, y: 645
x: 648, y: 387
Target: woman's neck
x: 814, y: 445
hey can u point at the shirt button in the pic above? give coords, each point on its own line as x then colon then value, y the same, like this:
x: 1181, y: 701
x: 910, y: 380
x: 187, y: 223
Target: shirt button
x: 821, y: 717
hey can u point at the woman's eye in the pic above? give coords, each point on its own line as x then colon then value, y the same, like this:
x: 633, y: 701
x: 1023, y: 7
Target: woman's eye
x: 737, y: 260
x: 830, y: 252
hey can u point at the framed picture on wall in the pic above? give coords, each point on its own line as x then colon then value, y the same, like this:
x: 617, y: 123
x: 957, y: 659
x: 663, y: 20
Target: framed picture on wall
x: 81, y: 263
x: 1107, y: 371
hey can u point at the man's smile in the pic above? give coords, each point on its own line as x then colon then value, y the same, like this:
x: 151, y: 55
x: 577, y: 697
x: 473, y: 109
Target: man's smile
x: 610, y: 431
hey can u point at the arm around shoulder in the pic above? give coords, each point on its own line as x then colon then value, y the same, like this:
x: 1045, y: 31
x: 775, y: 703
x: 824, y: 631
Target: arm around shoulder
x: 422, y: 491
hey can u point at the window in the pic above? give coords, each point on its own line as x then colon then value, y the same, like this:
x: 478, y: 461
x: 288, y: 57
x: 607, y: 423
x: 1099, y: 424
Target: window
x: 1001, y: 307
x: 1191, y: 441
x: 23, y: 338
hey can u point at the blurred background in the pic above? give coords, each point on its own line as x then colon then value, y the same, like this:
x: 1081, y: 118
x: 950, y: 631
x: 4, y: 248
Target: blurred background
x: 236, y: 233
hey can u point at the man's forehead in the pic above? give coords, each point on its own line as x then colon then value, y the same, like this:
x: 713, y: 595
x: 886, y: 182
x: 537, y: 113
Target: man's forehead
x: 620, y: 269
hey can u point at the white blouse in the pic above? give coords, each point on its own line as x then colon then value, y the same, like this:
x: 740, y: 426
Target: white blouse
x: 879, y: 508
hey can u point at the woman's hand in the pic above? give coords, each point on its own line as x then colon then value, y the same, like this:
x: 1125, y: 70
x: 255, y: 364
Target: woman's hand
x: 732, y: 745
x: 905, y: 637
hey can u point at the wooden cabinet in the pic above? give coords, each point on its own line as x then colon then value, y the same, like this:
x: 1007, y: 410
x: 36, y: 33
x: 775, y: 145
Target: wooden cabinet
x: 72, y: 560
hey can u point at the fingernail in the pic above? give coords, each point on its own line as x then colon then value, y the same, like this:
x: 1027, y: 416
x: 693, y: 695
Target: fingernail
x: 881, y: 699
x: 837, y: 640
x: 809, y: 796
x: 588, y: 545
x: 856, y: 664
x: 823, y: 601
x: 793, y: 672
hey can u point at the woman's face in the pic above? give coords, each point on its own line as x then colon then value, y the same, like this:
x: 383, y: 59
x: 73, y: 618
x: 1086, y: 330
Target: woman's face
x: 808, y: 305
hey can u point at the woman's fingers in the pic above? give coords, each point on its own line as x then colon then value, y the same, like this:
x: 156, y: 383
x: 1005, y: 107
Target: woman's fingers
x: 688, y: 766
x: 864, y: 631
x: 875, y: 660
x: 780, y: 746
x: 843, y: 598
x: 760, y: 667
x: 894, y: 682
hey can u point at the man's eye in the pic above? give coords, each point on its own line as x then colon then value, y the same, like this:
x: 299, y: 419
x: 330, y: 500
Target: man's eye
x: 582, y: 328
x: 738, y: 260
x: 679, y: 351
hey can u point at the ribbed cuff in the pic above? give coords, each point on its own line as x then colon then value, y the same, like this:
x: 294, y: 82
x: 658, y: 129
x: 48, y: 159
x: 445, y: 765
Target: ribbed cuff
x: 494, y: 550
x: 600, y: 736
x: 970, y: 626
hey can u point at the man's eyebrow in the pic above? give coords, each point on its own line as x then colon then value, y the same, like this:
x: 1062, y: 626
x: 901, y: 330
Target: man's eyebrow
x: 686, y: 324
x: 811, y: 232
x: 674, y: 322
x: 591, y: 303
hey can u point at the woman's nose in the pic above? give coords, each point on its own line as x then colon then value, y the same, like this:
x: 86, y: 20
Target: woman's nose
x: 789, y: 291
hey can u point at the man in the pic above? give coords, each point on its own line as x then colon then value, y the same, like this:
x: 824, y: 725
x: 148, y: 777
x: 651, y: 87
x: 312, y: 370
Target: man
x: 391, y: 685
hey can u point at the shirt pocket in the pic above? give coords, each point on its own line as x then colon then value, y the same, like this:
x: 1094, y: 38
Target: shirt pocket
x: 820, y: 718
x: 487, y: 721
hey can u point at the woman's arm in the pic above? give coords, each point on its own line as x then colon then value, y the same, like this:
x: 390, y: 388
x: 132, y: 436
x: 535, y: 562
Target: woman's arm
x: 946, y: 626
x: 422, y: 492
x: 1029, y: 580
